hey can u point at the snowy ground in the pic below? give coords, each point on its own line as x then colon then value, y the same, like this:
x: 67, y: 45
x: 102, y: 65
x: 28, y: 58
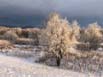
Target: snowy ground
x: 20, y: 62
x: 27, y: 52
x: 14, y: 67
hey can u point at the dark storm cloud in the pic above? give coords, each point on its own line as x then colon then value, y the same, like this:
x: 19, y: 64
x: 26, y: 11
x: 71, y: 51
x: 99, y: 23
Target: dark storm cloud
x: 69, y: 7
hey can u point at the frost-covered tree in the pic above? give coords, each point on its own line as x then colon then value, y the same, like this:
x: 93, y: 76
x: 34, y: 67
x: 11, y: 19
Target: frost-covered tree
x: 92, y: 34
x: 58, y: 36
x: 76, y: 29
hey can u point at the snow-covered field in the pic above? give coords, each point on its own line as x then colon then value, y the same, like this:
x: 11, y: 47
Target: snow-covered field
x: 27, y: 52
x: 15, y: 67
x: 20, y: 62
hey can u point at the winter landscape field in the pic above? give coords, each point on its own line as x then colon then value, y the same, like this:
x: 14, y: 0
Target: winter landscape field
x: 51, y: 38
x: 60, y: 49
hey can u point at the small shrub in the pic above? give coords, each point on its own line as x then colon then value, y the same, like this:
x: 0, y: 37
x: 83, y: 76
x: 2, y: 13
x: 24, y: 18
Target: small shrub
x: 11, y: 36
x: 25, y: 33
x: 3, y: 30
x: 18, y: 31
x: 5, y: 44
x: 34, y: 34
x: 25, y: 41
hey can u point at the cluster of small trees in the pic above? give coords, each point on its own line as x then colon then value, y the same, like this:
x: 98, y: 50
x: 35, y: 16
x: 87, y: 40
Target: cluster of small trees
x: 59, y: 35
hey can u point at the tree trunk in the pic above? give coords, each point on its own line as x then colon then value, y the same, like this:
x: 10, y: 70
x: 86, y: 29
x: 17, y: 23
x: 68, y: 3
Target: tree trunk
x: 58, y: 60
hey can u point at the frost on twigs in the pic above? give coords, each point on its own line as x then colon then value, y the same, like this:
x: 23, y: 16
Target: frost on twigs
x: 58, y: 35
x: 92, y: 35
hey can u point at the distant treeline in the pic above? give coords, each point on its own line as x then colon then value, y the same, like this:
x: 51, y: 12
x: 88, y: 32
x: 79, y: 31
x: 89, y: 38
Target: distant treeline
x: 38, y: 21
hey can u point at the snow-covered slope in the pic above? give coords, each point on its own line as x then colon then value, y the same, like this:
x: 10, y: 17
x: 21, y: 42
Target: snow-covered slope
x: 15, y: 67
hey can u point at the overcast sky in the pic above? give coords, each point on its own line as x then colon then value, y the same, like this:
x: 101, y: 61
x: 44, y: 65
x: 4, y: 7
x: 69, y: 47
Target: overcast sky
x: 67, y: 7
